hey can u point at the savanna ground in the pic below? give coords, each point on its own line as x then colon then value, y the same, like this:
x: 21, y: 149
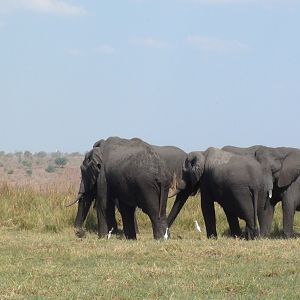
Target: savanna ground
x: 40, y: 258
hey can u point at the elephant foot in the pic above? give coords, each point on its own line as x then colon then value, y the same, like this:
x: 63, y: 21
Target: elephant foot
x: 80, y: 233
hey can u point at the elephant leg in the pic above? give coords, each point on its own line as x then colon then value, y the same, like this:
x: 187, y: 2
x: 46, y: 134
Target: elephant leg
x: 83, y: 209
x: 136, y: 224
x: 155, y: 207
x: 178, y: 204
x: 265, y: 213
x: 111, y: 217
x: 209, y: 214
x: 288, y: 211
x: 234, y: 225
x: 102, y: 205
x: 246, y: 200
x: 127, y: 213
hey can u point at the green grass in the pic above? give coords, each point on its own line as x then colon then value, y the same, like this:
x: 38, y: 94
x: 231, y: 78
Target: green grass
x: 40, y: 257
x: 59, y: 266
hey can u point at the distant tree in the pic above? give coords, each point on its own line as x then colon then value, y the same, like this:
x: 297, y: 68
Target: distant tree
x: 40, y: 154
x: 28, y: 154
x: 2, y: 153
x: 60, y: 161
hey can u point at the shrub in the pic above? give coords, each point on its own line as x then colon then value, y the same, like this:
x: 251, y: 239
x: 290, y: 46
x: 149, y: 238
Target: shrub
x: 50, y: 169
x: 29, y: 172
x: 27, y: 163
x: 61, y: 161
x: 10, y: 171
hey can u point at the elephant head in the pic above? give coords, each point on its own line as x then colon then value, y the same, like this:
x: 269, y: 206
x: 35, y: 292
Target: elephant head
x: 90, y: 169
x: 282, y: 164
x: 193, y: 170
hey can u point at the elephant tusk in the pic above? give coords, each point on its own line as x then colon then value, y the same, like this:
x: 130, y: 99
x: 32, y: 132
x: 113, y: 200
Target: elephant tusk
x: 74, y: 202
x: 270, y: 194
x: 173, y: 193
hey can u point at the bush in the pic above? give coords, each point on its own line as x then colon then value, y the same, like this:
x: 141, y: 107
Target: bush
x: 29, y: 172
x: 27, y: 163
x: 61, y: 161
x: 50, y: 169
x: 10, y: 171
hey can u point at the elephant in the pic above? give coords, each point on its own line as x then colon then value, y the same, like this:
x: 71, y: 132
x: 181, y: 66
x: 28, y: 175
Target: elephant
x: 234, y: 181
x: 173, y: 158
x: 135, y: 174
x: 282, y: 164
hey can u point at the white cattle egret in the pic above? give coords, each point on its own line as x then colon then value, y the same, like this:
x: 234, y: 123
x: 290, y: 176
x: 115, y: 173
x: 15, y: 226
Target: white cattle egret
x: 109, y: 233
x: 166, y: 234
x: 197, y: 227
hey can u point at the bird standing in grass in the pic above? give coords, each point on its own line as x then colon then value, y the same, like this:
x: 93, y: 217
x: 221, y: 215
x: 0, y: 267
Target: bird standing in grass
x: 109, y: 233
x: 197, y: 227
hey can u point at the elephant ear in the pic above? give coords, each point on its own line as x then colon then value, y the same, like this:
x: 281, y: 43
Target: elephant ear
x: 90, y: 168
x: 194, y: 164
x: 290, y: 170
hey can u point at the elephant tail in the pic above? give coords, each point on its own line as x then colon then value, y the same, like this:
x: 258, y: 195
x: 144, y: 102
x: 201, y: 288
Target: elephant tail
x: 163, y: 195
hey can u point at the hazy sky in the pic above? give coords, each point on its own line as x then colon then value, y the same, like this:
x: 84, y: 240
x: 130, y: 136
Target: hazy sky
x: 191, y: 73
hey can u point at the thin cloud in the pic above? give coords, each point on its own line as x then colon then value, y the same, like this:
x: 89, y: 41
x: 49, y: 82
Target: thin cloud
x: 74, y: 52
x: 238, y: 1
x: 104, y: 49
x: 149, y: 42
x: 55, y: 7
x: 211, y: 44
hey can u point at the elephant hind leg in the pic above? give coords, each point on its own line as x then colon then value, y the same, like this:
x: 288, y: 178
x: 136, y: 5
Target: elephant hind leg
x: 234, y: 224
x: 127, y: 214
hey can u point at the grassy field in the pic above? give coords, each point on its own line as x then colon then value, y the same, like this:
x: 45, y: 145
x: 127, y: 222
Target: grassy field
x: 40, y: 257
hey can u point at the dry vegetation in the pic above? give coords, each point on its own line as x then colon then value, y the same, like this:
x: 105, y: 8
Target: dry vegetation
x: 40, y: 258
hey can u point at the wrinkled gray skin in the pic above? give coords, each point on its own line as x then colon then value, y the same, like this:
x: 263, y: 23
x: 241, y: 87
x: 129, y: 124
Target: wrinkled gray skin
x: 173, y: 158
x: 283, y: 165
x: 132, y: 172
x: 234, y: 181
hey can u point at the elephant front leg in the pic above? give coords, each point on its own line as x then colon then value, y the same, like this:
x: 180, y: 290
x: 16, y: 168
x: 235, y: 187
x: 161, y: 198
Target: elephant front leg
x: 209, y: 214
x: 288, y: 211
x: 102, y: 205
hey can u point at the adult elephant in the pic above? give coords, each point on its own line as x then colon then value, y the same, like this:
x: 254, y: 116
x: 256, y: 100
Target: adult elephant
x: 173, y: 158
x: 135, y: 174
x: 234, y: 181
x: 283, y: 165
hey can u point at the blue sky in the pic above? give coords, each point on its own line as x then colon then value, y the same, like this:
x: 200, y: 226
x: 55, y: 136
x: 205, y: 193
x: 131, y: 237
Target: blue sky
x: 190, y: 73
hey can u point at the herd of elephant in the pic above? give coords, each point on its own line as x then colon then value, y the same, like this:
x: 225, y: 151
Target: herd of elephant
x: 246, y: 182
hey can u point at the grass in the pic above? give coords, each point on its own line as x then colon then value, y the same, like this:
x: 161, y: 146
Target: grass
x: 59, y: 266
x: 40, y: 258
